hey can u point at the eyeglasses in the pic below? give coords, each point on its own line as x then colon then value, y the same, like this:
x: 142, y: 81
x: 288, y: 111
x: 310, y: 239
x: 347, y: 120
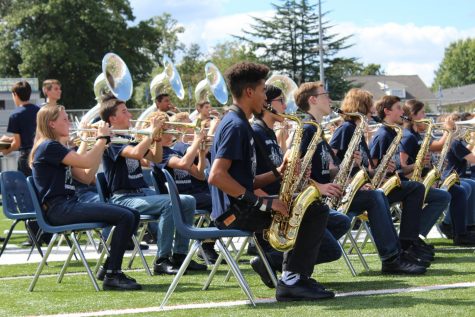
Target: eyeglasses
x: 281, y: 100
x: 323, y: 93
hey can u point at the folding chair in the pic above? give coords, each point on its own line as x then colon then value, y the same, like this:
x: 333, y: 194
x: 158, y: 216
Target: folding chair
x: 354, y: 244
x: 17, y: 205
x: 72, y: 230
x: 104, y: 196
x: 200, y: 234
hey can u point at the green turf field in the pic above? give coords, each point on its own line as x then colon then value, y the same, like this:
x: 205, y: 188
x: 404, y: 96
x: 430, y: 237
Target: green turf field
x: 76, y: 294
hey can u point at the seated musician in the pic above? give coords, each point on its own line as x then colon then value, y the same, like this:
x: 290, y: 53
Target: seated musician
x: 233, y: 179
x: 124, y: 177
x: 52, y: 168
x: 390, y: 110
x: 459, y: 160
x: 314, y: 100
x: 410, y: 146
x: 338, y: 223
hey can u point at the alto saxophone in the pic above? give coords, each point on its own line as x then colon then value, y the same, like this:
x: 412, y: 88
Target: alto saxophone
x: 380, y: 173
x: 342, y: 204
x: 283, y: 230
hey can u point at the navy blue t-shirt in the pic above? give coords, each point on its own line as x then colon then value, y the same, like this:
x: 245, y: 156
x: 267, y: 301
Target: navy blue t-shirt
x: 268, y: 138
x: 410, y: 144
x: 23, y: 122
x: 182, y: 177
x: 198, y: 186
x: 52, y: 178
x: 341, y: 139
x: 455, y: 159
x: 121, y: 173
x: 233, y: 140
x: 380, y: 144
x: 321, y: 158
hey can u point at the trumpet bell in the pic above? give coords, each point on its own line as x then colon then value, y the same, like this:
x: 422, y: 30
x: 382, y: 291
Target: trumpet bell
x: 214, y: 83
x: 117, y: 76
x: 168, y: 79
x: 288, y: 87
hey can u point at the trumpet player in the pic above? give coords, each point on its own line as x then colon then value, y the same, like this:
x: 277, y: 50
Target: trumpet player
x: 125, y: 180
x: 164, y: 104
x: 313, y: 99
x: 233, y: 179
x: 389, y: 110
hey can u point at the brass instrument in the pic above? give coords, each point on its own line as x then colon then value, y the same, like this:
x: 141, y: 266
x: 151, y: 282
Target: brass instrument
x: 288, y: 87
x: 168, y: 79
x: 419, y: 163
x: 380, y: 173
x: 342, y: 204
x: 214, y: 83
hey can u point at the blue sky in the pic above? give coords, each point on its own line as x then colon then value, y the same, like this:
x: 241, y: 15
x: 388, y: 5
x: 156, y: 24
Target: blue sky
x: 405, y: 37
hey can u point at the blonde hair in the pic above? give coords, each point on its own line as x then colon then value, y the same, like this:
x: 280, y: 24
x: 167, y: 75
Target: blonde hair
x: 357, y: 100
x: 43, y: 129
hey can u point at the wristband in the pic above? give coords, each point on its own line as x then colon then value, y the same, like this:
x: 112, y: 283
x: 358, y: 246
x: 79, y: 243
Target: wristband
x: 249, y: 198
x: 105, y: 137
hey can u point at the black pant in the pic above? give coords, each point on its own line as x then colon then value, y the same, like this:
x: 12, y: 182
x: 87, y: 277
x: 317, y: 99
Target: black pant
x: 411, y: 194
x: 23, y: 165
x: 124, y: 219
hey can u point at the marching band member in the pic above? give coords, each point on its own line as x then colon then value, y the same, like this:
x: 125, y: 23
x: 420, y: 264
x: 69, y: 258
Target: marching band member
x: 124, y: 177
x: 389, y: 109
x: 233, y: 179
x: 52, y: 168
x: 314, y: 100
x: 410, y: 145
x: 52, y: 92
x: 338, y: 224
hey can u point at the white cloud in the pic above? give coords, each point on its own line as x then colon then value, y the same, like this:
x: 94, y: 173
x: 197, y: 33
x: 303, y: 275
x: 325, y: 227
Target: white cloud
x: 401, y: 48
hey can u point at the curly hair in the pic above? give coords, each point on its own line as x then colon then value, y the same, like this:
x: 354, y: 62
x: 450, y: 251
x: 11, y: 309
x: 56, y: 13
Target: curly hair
x: 245, y: 75
x: 357, y: 100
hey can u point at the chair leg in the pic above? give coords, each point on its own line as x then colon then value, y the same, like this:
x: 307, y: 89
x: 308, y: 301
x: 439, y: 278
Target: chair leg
x: 215, y: 266
x: 347, y: 260
x: 357, y: 235
x: 33, y: 238
x: 9, y: 234
x: 43, y: 262
x: 357, y: 249
x: 237, y: 272
x: 105, y: 250
x: 91, y: 240
x: 137, y: 246
x: 84, y: 261
x: 180, y: 273
x: 352, y: 225
x: 238, y: 256
x: 68, y: 260
x: 264, y: 260
x: 142, y: 257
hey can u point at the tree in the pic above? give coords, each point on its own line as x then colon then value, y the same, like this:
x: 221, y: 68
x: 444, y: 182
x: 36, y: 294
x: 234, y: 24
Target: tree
x: 458, y: 66
x: 67, y: 39
x: 288, y: 42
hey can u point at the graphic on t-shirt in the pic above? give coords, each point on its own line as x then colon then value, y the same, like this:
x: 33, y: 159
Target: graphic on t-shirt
x: 182, y: 176
x: 132, y: 168
x: 68, y: 179
x: 325, y: 157
x: 253, y: 158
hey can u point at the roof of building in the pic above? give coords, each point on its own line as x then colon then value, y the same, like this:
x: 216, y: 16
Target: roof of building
x: 458, y: 95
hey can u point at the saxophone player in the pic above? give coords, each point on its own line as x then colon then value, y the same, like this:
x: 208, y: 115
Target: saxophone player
x: 389, y: 110
x: 233, y: 179
x: 338, y: 223
x: 410, y: 146
x: 314, y: 100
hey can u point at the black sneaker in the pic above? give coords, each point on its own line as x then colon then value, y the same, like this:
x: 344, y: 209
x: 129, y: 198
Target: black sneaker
x: 411, y: 256
x: 421, y: 242
x: 120, y: 282
x: 164, y: 266
x: 210, y: 254
x: 177, y: 261
x: 424, y: 247
x: 259, y: 267
x: 446, y: 229
x: 402, y: 266
x: 101, y: 274
x: 303, y: 290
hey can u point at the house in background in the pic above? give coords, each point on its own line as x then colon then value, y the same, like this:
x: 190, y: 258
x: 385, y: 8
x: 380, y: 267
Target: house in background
x: 403, y: 86
x: 459, y: 98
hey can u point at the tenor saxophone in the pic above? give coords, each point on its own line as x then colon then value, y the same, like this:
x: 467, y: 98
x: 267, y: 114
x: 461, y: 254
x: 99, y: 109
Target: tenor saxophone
x: 283, y: 230
x: 342, y: 204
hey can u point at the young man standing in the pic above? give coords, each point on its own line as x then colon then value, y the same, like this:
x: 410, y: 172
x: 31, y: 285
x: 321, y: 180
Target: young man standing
x: 233, y: 179
x: 51, y: 91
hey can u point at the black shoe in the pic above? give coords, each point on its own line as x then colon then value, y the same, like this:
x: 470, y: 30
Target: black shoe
x: 466, y: 239
x: 446, y: 229
x: 148, y: 238
x: 421, y: 253
x: 164, y: 266
x: 101, y: 273
x: 401, y: 266
x: 251, y: 250
x: 303, y: 290
x: 120, y: 282
x: 413, y: 257
x: 421, y: 242
x: 424, y: 247
x: 210, y: 254
x: 177, y: 261
x: 27, y: 243
x: 259, y: 267
x: 2, y: 239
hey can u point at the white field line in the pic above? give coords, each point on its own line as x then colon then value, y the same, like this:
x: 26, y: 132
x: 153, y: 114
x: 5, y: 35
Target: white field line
x: 259, y: 301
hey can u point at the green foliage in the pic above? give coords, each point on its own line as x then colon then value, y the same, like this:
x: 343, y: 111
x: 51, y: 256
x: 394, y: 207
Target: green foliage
x: 67, y: 39
x: 458, y: 66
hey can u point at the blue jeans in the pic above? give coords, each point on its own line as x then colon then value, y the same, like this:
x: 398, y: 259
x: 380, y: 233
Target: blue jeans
x: 88, y: 194
x: 437, y: 201
x: 457, y: 214
x: 149, y: 203
x: 381, y: 224
x: 469, y: 187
